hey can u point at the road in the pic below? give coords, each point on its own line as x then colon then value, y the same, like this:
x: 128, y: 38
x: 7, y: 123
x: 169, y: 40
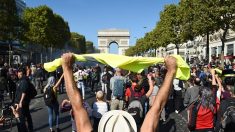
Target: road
x: 40, y: 116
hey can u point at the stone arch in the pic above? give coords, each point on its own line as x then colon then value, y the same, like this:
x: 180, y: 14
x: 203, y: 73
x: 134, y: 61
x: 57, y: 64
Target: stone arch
x: 108, y: 36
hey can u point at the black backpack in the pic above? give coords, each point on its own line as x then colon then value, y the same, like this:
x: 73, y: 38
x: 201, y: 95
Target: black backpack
x: 32, y: 92
x: 49, y: 96
x: 228, y: 122
x: 181, y: 84
x: 193, y: 111
x: 106, y: 78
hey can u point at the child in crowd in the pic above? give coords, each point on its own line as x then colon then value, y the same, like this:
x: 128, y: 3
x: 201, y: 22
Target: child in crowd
x: 100, y: 107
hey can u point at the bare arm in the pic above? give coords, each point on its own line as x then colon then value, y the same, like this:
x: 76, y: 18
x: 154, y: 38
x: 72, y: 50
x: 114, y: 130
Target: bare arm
x: 58, y: 82
x: 152, y: 118
x: 150, y: 87
x: 21, y: 100
x: 81, y: 117
x: 213, y: 76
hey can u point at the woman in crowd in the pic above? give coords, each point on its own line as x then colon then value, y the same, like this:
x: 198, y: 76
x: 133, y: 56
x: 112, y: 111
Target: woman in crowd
x: 51, y: 100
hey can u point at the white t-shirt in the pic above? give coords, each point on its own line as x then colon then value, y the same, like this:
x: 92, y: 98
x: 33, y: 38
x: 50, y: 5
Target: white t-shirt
x: 99, y: 109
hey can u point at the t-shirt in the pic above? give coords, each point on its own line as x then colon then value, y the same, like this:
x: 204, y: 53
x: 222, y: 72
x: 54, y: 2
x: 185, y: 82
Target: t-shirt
x: 99, y: 109
x: 21, y: 87
x: 128, y: 92
x: 205, y: 117
x: 154, y: 93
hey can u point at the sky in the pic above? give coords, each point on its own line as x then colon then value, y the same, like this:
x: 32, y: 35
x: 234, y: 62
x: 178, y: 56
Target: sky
x: 86, y: 17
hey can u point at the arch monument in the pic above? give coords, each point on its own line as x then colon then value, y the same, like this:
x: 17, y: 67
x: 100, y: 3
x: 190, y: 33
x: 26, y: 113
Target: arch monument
x: 108, y: 36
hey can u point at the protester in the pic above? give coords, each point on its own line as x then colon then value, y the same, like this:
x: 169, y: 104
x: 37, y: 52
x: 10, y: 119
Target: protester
x: 192, y: 93
x: 81, y: 117
x: 207, y: 106
x: 117, y: 86
x: 50, y: 98
x: 100, y: 107
x: 178, y: 85
x: 226, y: 117
x: 22, y: 100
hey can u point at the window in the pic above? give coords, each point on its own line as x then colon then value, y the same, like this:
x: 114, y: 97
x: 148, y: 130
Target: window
x: 230, y: 49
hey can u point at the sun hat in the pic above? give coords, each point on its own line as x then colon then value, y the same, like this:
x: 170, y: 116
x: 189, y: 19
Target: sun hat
x: 117, y: 121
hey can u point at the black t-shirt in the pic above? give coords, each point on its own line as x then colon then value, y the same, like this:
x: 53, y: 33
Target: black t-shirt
x: 21, y: 87
x: 223, y: 107
x: 226, y: 103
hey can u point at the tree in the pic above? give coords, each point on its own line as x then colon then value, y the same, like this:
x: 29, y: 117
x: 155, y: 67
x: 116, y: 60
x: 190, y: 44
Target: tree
x: 61, y: 31
x: 8, y: 20
x: 79, y: 42
x: 204, y: 23
x: 89, y: 47
x: 225, y: 19
x: 169, y: 26
x: 45, y: 28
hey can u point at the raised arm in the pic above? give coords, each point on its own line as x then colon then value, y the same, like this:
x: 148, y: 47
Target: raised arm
x: 58, y: 82
x: 151, y: 85
x: 152, y: 118
x: 81, y: 117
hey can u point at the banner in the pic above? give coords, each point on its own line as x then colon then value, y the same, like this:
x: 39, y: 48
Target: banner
x: 134, y: 64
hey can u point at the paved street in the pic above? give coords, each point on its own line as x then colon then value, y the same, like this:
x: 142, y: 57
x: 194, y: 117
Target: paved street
x: 174, y: 123
x: 40, y: 116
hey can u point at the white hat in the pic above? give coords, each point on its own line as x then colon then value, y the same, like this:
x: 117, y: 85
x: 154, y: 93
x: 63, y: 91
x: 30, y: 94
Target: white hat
x: 117, y: 121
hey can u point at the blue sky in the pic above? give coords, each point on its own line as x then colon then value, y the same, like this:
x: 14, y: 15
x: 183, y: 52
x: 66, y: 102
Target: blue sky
x: 88, y: 16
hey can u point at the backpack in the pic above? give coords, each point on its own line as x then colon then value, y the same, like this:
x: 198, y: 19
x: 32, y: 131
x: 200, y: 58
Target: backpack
x: 49, y: 96
x: 32, y: 92
x: 192, y: 112
x: 79, y: 76
x: 106, y: 78
x: 181, y: 84
x: 135, y: 107
x: 118, y: 87
x: 228, y: 117
x: 135, y: 95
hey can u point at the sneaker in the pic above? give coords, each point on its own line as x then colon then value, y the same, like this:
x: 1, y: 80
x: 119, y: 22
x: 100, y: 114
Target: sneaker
x: 176, y: 111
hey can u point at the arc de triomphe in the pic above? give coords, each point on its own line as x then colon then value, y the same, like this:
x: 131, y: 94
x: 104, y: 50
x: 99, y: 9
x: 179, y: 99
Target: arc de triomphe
x: 118, y: 36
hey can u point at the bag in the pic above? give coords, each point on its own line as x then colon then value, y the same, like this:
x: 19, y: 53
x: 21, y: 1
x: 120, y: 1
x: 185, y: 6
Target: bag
x: 32, y: 92
x: 192, y: 113
x: 49, y: 96
x: 118, y: 87
x: 181, y: 84
x: 106, y: 78
x: 79, y: 76
x: 135, y: 108
x: 228, y: 122
x: 135, y: 95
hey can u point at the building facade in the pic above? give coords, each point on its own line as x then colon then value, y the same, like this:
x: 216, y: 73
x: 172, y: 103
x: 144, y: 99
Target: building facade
x: 197, y: 47
x: 20, y: 5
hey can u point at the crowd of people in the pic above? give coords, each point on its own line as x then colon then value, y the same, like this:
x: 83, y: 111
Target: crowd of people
x: 124, y: 100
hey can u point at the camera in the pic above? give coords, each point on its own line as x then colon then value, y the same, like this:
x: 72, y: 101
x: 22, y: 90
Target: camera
x: 7, y: 111
x: 65, y: 108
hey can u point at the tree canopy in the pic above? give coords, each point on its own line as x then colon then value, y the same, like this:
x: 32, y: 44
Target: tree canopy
x: 187, y: 20
x: 8, y: 20
x: 44, y: 27
x: 79, y: 42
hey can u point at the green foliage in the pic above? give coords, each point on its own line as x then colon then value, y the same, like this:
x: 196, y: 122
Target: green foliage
x: 89, y: 47
x: 8, y: 20
x: 44, y: 27
x: 78, y: 41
